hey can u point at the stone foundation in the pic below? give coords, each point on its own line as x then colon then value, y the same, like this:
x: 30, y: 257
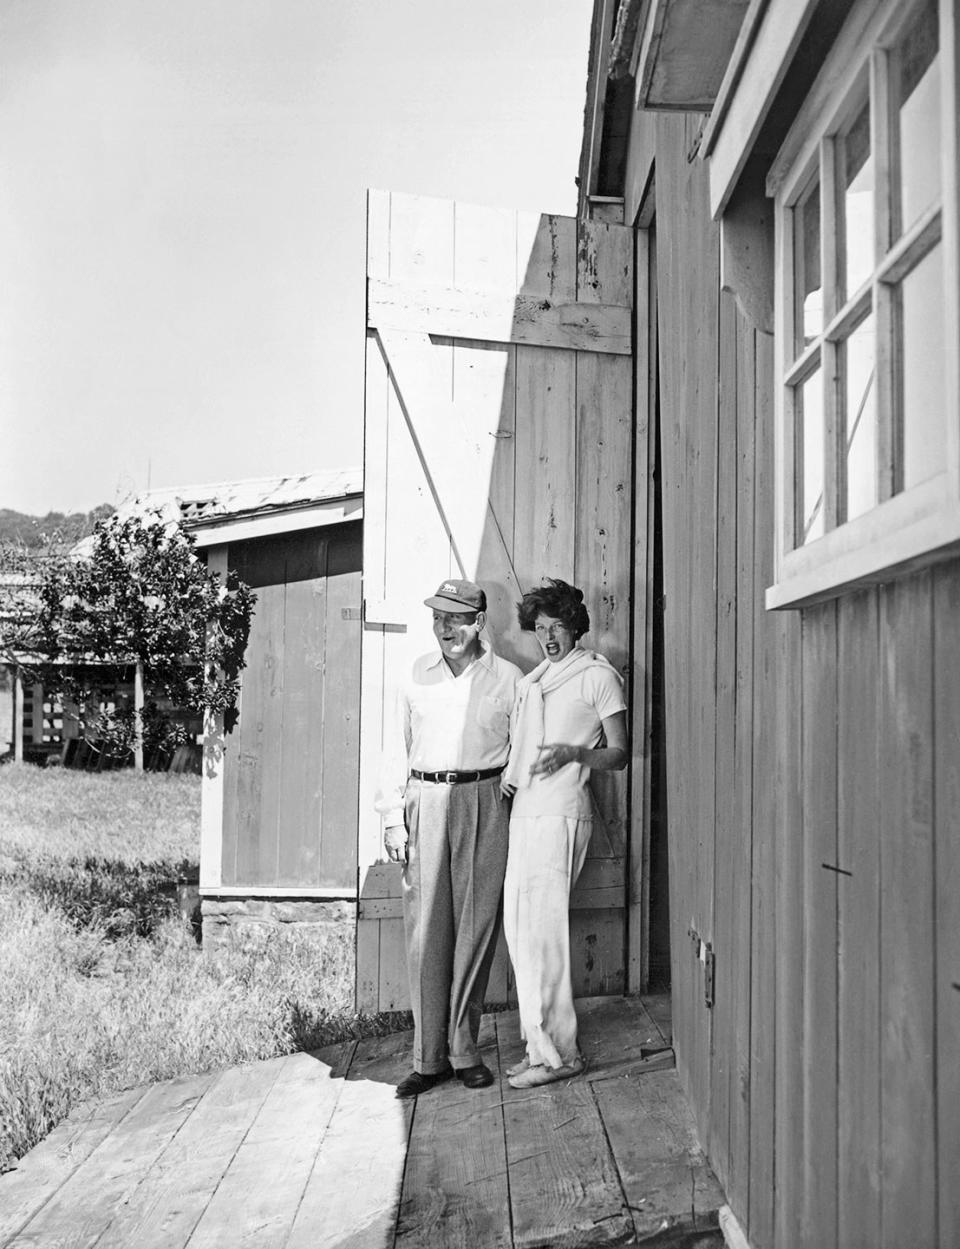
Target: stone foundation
x: 222, y: 918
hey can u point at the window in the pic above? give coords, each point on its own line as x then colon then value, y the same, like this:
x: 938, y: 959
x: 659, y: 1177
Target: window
x: 867, y: 309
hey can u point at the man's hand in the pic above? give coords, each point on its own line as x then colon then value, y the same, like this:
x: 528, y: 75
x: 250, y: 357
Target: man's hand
x: 395, y: 843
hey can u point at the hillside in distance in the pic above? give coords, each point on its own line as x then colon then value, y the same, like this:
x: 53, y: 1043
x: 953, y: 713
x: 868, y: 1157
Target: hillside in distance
x: 61, y: 528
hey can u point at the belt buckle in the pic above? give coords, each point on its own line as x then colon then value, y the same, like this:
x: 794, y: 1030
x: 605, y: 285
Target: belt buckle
x: 449, y: 778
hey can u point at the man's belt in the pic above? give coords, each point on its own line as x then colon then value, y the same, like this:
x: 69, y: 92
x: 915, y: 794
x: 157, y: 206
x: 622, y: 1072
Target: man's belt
x: 455, y: 778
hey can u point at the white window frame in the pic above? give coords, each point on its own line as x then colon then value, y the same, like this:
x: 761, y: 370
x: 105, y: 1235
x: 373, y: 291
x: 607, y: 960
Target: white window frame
x: 915, y: 526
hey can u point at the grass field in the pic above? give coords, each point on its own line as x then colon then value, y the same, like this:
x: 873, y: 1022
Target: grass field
x: 102, y: 985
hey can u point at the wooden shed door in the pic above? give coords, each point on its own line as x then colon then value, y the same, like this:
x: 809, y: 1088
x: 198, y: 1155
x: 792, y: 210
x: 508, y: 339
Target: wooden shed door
x: 498, y: 447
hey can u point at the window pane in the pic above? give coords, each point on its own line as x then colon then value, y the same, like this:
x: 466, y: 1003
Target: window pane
x: 861, y: 419
x: 919, y: 117
x: 923, y: 400
x: 809, y: 401
x: 857, y: 173
x: 806, y: 268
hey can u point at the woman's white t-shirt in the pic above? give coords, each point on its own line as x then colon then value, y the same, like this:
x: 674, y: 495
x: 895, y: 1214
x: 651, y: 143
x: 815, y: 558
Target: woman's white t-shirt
x: 572, y: 714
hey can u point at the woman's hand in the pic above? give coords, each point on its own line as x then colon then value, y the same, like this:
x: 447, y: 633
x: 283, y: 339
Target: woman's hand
x: 507, y: 789
x: 554, y: 756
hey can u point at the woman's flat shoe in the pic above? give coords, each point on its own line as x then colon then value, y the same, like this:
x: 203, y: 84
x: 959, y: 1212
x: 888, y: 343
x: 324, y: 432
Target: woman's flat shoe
x: 523, y: 1065
x: 533, y: 1077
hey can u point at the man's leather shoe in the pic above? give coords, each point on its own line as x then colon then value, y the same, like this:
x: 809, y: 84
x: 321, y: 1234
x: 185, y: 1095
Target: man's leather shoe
x: 418, y: 1082
x: 477, y: 1077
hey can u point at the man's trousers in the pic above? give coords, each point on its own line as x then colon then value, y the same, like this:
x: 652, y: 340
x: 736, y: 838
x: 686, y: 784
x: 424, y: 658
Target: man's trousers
x: 452, y: 898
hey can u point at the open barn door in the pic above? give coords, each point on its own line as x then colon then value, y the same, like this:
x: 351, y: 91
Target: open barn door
x: 498, y: 447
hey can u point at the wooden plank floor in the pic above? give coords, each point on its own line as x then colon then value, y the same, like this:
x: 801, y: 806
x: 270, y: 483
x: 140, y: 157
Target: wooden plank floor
x: 315, y: 1150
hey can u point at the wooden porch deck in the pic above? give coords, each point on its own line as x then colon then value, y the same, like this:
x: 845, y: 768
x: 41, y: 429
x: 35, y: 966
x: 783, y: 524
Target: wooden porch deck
x: 314, y: 1151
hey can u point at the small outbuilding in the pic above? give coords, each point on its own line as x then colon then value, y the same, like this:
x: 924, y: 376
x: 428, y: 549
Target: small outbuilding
x: 279, y: 824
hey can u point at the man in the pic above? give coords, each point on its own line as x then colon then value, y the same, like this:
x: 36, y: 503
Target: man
x: 446, y: 820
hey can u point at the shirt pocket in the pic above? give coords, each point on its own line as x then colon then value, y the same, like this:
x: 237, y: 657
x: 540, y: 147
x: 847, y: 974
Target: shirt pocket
x: 492, y: 714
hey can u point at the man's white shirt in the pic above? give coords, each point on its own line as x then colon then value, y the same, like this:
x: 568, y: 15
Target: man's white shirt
x: 445, y: 723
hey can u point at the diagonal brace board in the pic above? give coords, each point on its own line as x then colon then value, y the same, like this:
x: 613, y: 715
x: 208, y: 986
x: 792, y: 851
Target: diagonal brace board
x: 459, y: 480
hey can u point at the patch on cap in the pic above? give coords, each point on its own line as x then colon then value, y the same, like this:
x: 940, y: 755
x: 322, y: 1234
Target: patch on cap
x: 458, y: 596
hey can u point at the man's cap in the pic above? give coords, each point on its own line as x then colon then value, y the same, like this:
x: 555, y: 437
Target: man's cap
x: 458, y: 596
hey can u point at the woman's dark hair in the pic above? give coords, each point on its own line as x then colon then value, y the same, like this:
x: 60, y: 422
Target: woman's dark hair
x: 556, y: 599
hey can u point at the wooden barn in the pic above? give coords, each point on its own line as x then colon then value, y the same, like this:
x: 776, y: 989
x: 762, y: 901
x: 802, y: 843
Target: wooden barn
x: 725, y: 401
x: 789, y: 172
x: 279, y: 807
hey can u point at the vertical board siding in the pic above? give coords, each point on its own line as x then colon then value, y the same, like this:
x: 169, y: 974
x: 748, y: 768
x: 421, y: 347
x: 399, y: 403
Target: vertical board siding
x: 858, y: 914
x: 290, y: 764
x: 788, y: 937
x: 340, y: 740
x: 688, y: 283
x: 907, y: 1042
x: 767, y: 633
x: 813, y: 764
x: 301, y: 773
x: 946, y: 666
x: 819, y: 887
x: 728, y: 880
x: 741, y: 849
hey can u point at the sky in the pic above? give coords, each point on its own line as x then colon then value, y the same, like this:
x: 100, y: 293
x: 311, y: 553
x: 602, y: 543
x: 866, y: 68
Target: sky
x: 182, y: 215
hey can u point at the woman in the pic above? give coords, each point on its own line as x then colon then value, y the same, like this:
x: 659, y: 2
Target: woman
x: 569, y: 719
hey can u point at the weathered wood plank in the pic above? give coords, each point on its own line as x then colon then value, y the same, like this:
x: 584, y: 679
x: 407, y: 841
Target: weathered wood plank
x: 667, y: 1181
x: 171, y: 1195
x: 788, y: 936
x: 546, y: 256
x: 946, y: 589
x: 484, y: 382
x: 306, y: 704
x: 257, y: 740
x: 659, y: 1007
x: 727, y: 873
x: 819, y: 1212
x: 642, y: 676
x: 742, y: 831
x: 394, y: 991
x: 603, y: 550
x: 767, y: 631
x: 341, y: 730
x: 546, y: 464
x: 373, y: 694
x: 83, y: 1208
x: 688, y: 276
x: 41, y: 1172
x: 676, y: 608
x: 455, y: 1188
x: 858, y: 986
x: 499, y: 317
x: 485, y: 255
x: 352, y: 1195
x: 256, y: 1201
x: 596, y: 951
x: 617, y: 1034
x: 907, y: 1085
x: 564, y: 1187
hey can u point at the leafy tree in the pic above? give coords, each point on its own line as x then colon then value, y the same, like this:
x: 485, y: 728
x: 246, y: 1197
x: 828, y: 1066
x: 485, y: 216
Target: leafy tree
x: 137, y: 593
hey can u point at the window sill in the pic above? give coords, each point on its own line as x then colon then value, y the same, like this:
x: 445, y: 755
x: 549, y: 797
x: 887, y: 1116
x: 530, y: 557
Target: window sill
x: 910, y: 531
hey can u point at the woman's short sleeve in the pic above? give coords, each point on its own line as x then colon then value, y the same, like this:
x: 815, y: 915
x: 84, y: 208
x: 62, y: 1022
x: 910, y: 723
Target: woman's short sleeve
x: 604, y: 689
